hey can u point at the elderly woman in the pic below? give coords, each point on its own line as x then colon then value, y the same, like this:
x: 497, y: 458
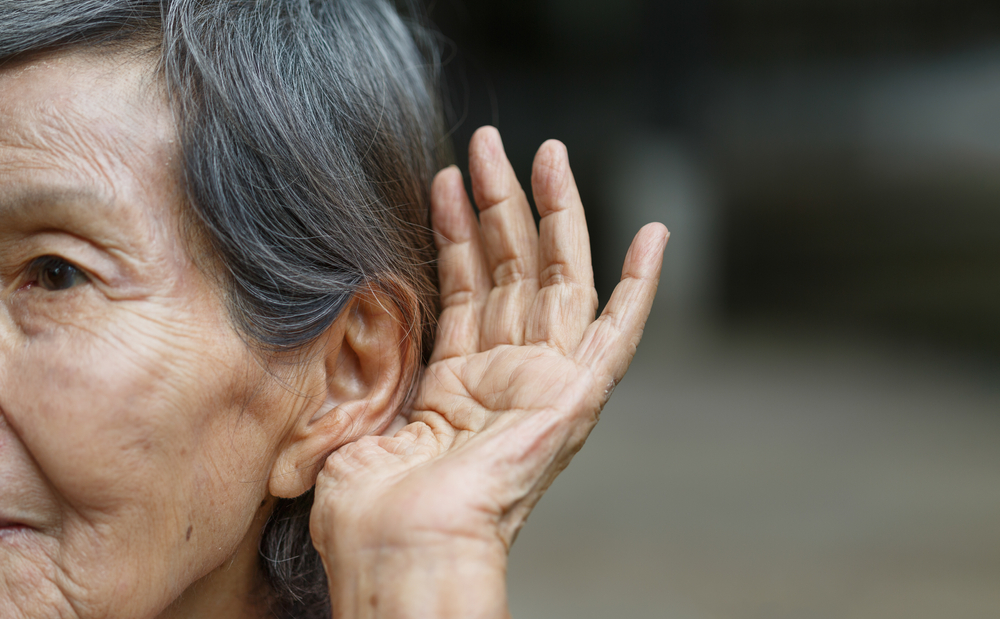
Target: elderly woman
x: 221, y: 393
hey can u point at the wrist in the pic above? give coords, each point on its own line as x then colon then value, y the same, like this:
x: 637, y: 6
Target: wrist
x: 456, y: 578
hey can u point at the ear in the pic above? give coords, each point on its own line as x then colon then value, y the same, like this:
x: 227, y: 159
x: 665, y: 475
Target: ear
x: 363, y: 368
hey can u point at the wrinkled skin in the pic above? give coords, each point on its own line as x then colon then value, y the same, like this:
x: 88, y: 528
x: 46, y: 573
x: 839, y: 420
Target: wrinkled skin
x: 516, y: 383
x: 142, y: 445
x: 128, y: 450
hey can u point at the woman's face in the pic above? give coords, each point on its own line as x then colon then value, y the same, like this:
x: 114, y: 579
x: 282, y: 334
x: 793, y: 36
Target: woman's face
x: 132, y: 461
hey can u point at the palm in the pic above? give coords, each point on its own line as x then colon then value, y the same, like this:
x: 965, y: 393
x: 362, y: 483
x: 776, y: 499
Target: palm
x: 520, y: 369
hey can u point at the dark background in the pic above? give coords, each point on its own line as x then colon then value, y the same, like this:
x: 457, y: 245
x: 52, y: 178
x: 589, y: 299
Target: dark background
x: 846, y: 153
x: 811, y: 427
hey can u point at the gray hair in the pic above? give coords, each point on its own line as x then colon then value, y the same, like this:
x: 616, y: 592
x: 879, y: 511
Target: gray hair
x: 310, y: 132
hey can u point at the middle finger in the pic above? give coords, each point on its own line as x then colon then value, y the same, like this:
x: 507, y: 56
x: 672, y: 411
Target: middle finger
x: 510, y: 240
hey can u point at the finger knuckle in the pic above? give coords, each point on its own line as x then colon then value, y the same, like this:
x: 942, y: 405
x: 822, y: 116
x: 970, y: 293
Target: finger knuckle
x: 458, y: 297
x: 511, y: 271
x: 555, y: 274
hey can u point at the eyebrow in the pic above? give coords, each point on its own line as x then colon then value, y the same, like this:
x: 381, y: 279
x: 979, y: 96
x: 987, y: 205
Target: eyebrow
x: 34, y: 207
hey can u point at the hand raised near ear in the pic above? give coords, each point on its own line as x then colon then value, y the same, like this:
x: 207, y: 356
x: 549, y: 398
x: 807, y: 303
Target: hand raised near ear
x: 518, y: 377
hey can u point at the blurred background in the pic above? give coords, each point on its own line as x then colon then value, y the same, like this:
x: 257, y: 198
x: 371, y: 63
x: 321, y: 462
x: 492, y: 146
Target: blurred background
x: 811, y: 428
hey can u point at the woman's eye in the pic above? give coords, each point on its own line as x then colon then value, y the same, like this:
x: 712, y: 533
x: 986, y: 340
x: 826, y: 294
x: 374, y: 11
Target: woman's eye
x: 53, y: 273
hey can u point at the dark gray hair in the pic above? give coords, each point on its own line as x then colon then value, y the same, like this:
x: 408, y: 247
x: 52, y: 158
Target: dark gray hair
x: 310, y: 131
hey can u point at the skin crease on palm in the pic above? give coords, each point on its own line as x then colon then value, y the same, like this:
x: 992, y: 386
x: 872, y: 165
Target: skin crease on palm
x: 142, y: 443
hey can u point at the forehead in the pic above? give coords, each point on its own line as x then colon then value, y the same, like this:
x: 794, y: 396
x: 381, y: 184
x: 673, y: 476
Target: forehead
x: 85, y: 123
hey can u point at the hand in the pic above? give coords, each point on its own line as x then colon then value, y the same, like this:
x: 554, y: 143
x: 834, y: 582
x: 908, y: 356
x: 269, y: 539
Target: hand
x: 422, y: 520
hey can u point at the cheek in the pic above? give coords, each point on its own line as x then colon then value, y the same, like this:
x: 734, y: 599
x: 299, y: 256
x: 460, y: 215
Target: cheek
x: 138, y: 432
x: 103, y: 409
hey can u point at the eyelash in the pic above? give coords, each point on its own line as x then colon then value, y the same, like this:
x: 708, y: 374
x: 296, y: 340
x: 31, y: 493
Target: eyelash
x: 55, y: 274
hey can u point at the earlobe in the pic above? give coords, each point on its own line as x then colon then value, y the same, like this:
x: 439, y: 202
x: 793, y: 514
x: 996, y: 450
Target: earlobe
x: 364, y: 368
